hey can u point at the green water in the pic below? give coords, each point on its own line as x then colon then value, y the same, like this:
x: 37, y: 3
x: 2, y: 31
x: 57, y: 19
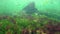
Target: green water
x: 13, y: 7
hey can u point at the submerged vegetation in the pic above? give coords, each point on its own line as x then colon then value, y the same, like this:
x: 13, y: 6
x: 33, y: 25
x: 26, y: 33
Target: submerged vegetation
x: 30, y: 21
x: 27, y: 24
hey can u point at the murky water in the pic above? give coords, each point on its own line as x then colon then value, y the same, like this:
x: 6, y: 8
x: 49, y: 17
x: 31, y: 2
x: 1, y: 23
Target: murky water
x: 29, y: 16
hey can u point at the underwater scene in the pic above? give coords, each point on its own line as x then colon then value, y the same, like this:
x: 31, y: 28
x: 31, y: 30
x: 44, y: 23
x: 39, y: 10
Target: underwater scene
x: 29, y: 16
